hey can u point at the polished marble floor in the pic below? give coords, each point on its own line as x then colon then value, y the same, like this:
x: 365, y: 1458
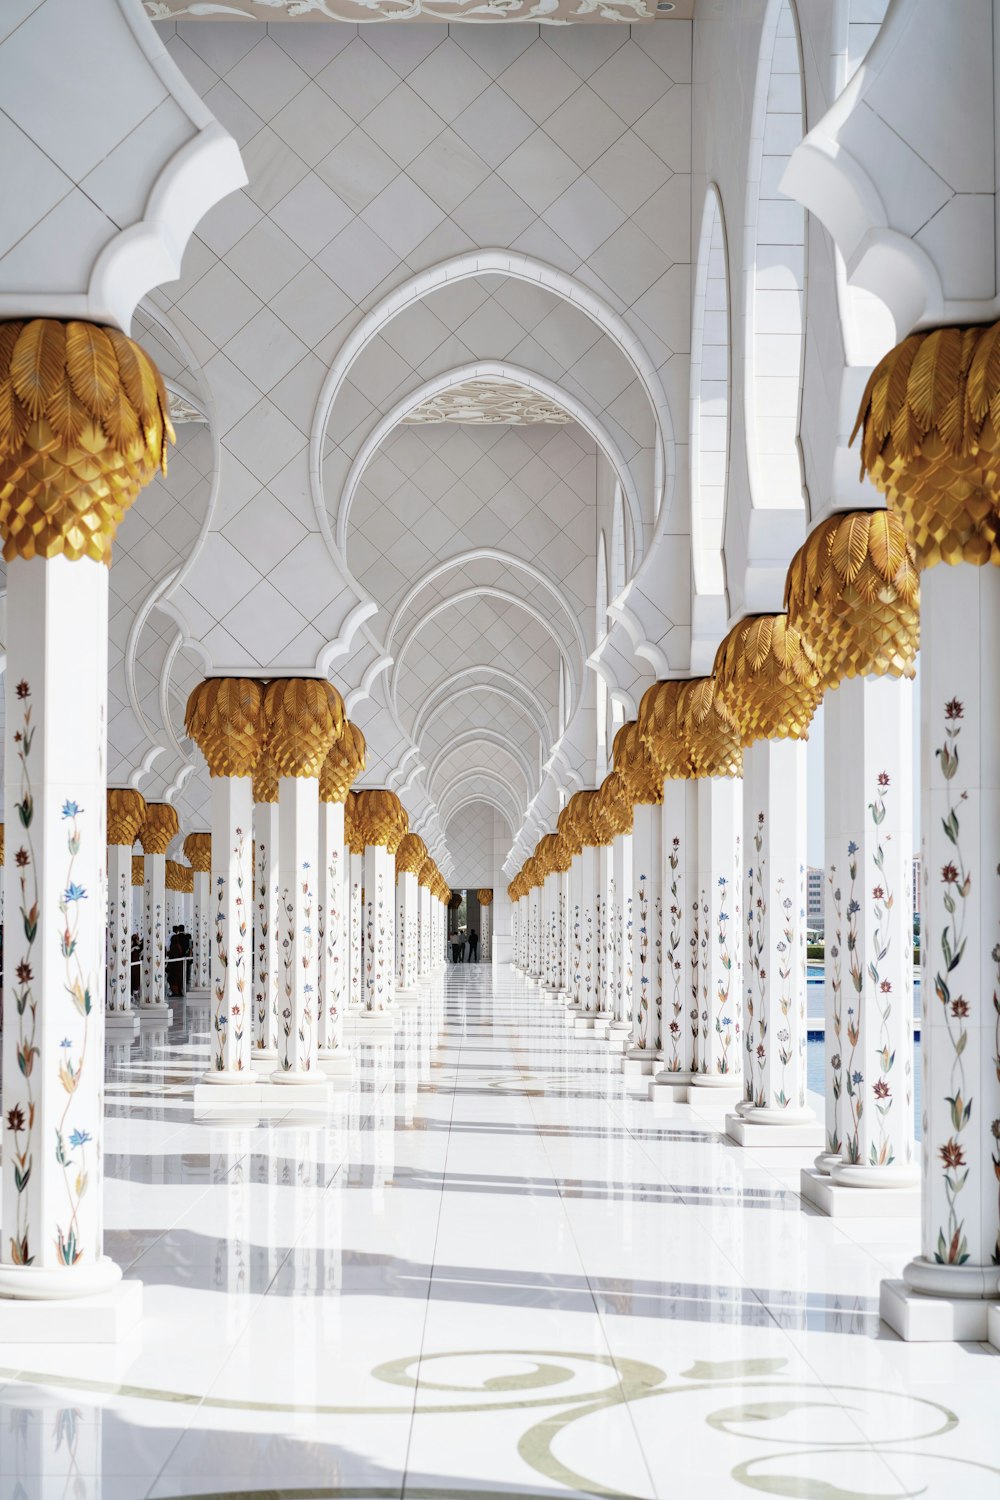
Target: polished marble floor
x: 490, y: 1270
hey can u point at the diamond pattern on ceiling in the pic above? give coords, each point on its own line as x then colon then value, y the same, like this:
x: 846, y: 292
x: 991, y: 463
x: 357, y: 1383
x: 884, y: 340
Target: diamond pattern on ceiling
x: 372, y: 154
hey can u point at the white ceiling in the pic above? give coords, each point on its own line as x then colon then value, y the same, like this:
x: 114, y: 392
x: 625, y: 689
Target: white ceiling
x: 311, y: 321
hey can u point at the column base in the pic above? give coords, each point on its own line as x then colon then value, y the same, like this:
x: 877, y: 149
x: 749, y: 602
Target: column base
x: 773, y: 1127
x: 121, y: 1024
x: 268, y: 1056
x: 826, y: 1161
x: 407, y: 999
x: 198, y: 992
x: 336, y: 1064
x: 158, y: 1015
x: 583, y: 1023
x: 364, y: 1022
x: 221, y: 1078
x: 637, y: 1063
x: 104, y: 1317
x: 602, y: 1025
x: 942, y: 1304
x: 292, y: 1092
x: 839, y: 1201
x: 669, y: 1088
x: 617, y: 1035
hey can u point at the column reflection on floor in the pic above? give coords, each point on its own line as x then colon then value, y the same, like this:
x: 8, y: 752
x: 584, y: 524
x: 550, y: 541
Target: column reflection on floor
x: 488, y: 1268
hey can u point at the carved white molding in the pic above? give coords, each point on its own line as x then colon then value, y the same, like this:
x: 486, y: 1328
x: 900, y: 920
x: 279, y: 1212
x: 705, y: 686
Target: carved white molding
x: 483, y: 403
x: 52, y: 274
x: 361, y: 12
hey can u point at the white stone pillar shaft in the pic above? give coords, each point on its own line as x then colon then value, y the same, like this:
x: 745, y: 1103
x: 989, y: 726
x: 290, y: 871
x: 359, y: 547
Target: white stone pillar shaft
x: 54, y: 954
x: 621, y: 930
x: 960, y: 938
x: 232, y: 952
x: 380, y: 941
x: 647, y: 929
x: 298, y: 927
x: 355, y: 926
x: 774, y: 818
x: 332, y: 935
x: 426, y: 955
x: 119, y: 997
x: 869, y: 970
x: 408, y: 935
x: 201, y: 922
x: 719, y: 1057
x: 604, y: 906
x: 267, y: 916
x: 585, y: 977
x: 154, y: 918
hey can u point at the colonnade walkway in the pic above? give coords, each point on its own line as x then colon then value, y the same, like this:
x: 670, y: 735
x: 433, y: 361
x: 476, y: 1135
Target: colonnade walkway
x: 488, y: 1270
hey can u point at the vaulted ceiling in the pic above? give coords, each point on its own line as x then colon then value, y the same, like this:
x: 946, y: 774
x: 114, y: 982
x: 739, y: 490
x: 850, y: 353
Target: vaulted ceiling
x: 440, y: 223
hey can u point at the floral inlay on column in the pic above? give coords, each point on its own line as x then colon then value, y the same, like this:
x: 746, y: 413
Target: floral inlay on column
x: 225, y: 718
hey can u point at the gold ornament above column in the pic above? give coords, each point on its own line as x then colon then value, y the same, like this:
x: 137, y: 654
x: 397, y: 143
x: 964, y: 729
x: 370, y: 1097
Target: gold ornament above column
x: 138, y: 870
x: 582, y: 807
x: 126, y: 814
x: 767, y: 679
x: 485, y: 898
x: 661, y: 730
x: 353, y: 836
x: 410, y: 855
x: 84, y: 424
x: 426, y: 873
x: 304, y: 718
x: 381, y: 818
x: 639, y: 775
x: 265, y: 779
x: 345, y: 761
x: 1, y: 845
x: 198, y: 848
x: 853, y: 594
x: 225, y: 718
x: 159, y: 828
x: 930, y: 441
x: 613, y: 811
x: 567, y: 830
x: 709, y: 729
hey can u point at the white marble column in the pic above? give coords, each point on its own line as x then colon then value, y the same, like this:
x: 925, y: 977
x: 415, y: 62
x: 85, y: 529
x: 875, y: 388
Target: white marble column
x: 718, y: 929
x: 382, y: 823
x: 604, y: 1009
x: 159, y: 828
x: 410, y: 857
x: 198, y: 848
x: 379, y: 989
x: 647, y: 934
x: 535, y: 918
x: 232, y: 931
x: 355, y: 924
x: 333, y: 966
x: 266, y: 913
x: 960, y: 956
x: 774, y: 956
x: 622, y: 916
x: 54, y: 959
x: 126, y: 811
x: 869, y: 973
x: 486, y: 928
x: 426, y: 957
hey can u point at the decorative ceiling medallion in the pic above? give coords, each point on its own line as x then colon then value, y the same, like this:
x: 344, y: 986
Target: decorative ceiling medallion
x: 548, y: 12
x: 486, y: 402
x: 182, y: 407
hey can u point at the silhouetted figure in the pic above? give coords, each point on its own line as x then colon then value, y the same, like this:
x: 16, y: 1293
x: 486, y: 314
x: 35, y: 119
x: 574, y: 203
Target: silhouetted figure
x: 175, y: 963
x: 135, y: 964
x: 473, y: 946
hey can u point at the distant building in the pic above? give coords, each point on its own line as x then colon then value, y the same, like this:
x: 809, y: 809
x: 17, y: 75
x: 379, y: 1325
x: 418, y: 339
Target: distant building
x: 814, y: 900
